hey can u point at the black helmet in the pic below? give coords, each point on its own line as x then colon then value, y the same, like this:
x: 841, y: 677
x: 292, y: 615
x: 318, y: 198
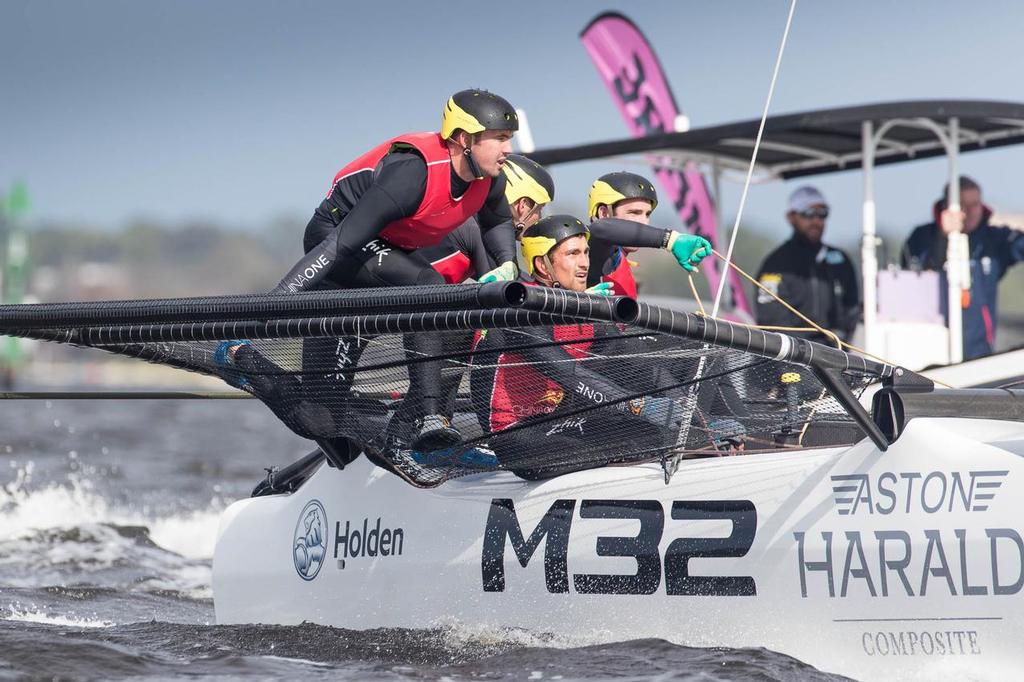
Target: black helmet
x: 611, y: 188
x: 547, y: 233
x: 475, y: 111
x: 527, y: 178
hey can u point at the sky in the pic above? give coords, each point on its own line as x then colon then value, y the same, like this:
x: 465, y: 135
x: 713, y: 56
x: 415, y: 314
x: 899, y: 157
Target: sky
x: 241, y: 112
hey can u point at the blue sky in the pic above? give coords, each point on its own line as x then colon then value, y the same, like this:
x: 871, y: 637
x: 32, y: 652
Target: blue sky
x: 241, y: 112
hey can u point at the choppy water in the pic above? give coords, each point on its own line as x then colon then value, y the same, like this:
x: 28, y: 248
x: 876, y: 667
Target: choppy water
x: 108, y: 514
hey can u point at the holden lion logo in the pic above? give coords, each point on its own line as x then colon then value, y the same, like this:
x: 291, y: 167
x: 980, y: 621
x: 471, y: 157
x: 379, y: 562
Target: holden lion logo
x: 309, y: 545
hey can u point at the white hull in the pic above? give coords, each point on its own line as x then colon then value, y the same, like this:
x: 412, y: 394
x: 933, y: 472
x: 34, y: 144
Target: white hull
x: 948, y: 491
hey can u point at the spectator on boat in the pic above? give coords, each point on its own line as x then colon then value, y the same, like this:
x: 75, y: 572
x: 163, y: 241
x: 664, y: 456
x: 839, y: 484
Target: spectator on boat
x: 539, y: 400
x: 405, y: 194
x: 817, y: 279
x: 620, y: 207
x: 993, y: 250
x: 463, y: 254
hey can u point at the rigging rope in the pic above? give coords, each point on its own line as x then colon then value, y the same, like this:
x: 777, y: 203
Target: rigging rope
x: 753, y: 158
x: 813, y: 326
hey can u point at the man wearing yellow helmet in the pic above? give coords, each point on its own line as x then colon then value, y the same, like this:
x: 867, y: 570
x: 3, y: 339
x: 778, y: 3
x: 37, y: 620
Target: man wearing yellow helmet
x: 464, y: 253
x: 405, y: 194
x: 620, y: 207
x: 408, y: 193
x: 542, y: 386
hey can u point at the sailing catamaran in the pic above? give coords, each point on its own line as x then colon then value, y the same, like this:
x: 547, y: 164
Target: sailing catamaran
x: 762, y: 504
x: 775, y: 512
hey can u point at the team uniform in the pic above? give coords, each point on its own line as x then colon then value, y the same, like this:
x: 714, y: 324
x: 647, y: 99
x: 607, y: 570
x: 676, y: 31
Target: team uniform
x: 535, y: 393
x: 461, y: 255
x: 816, y: 279
x: 549, y: 414
x: 609, y: 235
x: 401, y: 196
x: 609, y: 261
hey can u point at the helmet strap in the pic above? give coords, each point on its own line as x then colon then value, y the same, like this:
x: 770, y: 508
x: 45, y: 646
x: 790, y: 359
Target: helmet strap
x: 473, y: 167
x: 551, y: 281
x: 467, y: 152
x: 535, y: 209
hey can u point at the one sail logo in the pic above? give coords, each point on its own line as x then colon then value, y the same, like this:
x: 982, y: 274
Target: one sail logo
x: 309, y: 273
x: 309, y: 543
x: 904, y: 492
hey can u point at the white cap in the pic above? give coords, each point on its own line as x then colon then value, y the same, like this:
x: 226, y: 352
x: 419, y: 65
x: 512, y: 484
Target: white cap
x: 805, y: 197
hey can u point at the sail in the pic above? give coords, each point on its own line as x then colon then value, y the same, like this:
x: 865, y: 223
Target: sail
x: 637, y: 83
x: 534, y: 380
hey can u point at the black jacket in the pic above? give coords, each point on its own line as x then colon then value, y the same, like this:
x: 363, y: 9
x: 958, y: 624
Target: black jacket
x: 816, y: 279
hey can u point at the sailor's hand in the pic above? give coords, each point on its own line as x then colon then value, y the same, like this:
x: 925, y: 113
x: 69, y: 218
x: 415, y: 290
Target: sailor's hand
x: 952, y: 221
x: 689, y: 249
x: 602, y: 289
x: 506, y: 272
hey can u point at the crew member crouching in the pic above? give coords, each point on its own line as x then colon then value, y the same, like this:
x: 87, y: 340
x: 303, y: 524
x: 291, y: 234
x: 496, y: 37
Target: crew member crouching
x: 557, y: 399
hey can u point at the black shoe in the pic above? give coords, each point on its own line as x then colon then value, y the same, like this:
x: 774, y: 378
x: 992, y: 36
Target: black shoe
x: 434, y: 432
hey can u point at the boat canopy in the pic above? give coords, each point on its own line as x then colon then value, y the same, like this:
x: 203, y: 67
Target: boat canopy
x: 832, y: 140
x: 819, y: 141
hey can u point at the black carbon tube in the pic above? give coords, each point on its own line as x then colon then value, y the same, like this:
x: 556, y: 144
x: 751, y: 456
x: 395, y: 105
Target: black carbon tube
x: 261, y: 306
x: 111, y: 337
x: 578, y: 305
x: 758, y: 342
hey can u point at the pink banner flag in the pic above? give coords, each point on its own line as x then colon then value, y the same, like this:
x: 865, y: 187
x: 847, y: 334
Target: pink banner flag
x: 636, y: 82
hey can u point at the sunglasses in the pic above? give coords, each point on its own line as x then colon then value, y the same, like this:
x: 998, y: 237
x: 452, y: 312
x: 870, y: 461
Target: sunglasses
x: 813, y: 213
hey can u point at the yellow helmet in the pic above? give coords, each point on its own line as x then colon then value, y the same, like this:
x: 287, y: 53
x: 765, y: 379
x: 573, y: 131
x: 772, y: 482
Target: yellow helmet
x: 547, y: 233
x: 611, y: 188
x: 527, y: 178
x: 475, y: 111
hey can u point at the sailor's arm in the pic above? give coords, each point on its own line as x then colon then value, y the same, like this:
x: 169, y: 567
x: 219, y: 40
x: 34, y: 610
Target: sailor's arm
x: 629, y: 233
x: 1014, y: 245
x: 589, y: 386
x: 471, y: 243
x: 399, y: 185
x: 688, y: 249
x: 558, y: 365
x: 498, y: 232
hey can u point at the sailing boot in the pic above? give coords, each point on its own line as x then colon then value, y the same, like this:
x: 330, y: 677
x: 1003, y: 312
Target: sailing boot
x: 224, y: 360
x: 434, y: 432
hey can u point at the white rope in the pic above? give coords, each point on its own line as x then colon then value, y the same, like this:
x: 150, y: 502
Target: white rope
x: 753, y: 162
x: 690, y: 402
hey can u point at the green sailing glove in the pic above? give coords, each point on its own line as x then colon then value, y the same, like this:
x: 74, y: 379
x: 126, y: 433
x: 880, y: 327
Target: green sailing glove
x: 602, y: 289
x: 688, y: 249
x: 506, y: 272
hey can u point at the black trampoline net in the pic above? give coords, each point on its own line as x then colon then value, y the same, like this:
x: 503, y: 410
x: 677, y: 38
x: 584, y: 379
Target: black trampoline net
x: 537, y: 400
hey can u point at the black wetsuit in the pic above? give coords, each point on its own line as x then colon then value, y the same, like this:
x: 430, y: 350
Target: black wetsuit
x: 608, y: 235
x: 461, y: 255
x: 367, y: 202
x: 543, y: 433
x: 348, y: 223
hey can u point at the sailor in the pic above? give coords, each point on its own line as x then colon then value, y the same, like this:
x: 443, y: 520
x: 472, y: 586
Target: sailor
x: 405, y: 194
x: 993, y: 250
x: 813, y: 277
x: 620, y: 207
x: 462, y: 254
x: 539, y: 400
